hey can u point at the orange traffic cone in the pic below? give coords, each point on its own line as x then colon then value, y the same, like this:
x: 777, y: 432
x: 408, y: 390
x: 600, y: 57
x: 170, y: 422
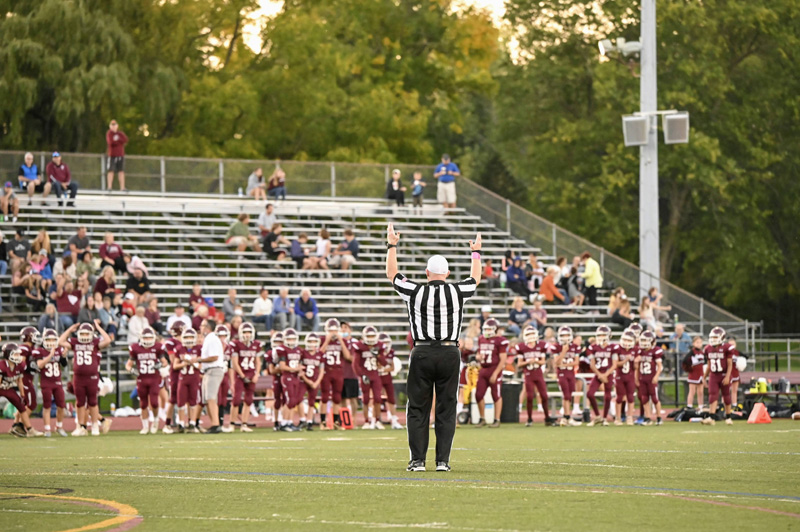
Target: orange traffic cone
x: 759, y: 414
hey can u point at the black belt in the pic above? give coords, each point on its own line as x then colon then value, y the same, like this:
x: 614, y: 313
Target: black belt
x: 442, y: 343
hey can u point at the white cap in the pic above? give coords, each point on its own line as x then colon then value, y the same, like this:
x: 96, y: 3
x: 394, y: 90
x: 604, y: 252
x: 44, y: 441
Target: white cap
x: 486, y: 308
x: 437, y: 265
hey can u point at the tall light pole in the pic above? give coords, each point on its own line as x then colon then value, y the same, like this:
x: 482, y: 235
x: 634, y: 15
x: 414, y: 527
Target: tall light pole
x: 649, y: 248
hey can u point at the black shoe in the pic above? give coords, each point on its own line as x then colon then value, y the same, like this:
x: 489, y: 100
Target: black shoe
x: 181, y: 429
x: 216, y: 429
x: 416, y: 465
x: 310, y: 427
x: 303, y: 425
x: 442, y: 467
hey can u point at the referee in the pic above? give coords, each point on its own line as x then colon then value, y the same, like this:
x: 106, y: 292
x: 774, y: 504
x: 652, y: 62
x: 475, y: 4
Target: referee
x: 435, y: 311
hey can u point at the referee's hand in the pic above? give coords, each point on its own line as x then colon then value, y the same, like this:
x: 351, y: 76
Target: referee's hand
x: 474, y: 246
x: 392, y: 237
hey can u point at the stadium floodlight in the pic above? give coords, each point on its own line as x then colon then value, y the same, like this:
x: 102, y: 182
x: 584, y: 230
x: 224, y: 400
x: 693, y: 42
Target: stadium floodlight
x: 630, y: 48
x: 636, y: 129
x: 621, y: 46
x: 676, y: 128
x: 606, y: 47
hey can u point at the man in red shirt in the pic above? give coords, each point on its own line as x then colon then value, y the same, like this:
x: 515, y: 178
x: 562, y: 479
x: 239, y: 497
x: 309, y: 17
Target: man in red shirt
x: 116, y: 141
x: 112, y: 254
x: 59, y: 175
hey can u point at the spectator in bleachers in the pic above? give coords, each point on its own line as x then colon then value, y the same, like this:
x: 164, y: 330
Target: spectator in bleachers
x: 283, y: 310
x: 88, y: 314
x: 42, y: 242
x: 486, y: 313
x: 179, y: 314
x: 418, y: 191
x: 85, y: 269
x: 137, y: 324
x: 563, y: 267
x: 200, y: 314
x: 79, y: 243
x: 646, y: 316
x: 256, y: 186
x: 592, y: 276
x: 112, y: 254
x: 574, y: 288
x: 59, y: 175
x: 446, y: 172
x: 239, y: 235
x: 30, y: 179
x: 48, y: 320
x: 516, y: 278
x: 518, y: 317
x: 267, y: 219
x: 471, y: 333
x: 346, y: 253
x: 19, y: 277
x: 116, y: 141
x: 539, y: 315
x: 534, y: 272
x: 229, y: 304
x: 489, y: 276
x: 276, y: 186
x: 41, y: 267
x: 9, y: 202
x: 262, y: 309
x: 19, y: 250
x: 615, y: 299
x: 659, y: 311
x: 305, y: 308
x: 65, y: 266
x: 128, y: 306
x: 236, y: 322
x: 680, y: 340
x: 154, y: 316
x: 109, y: 317
x: 395, y: 189
x: 323, y: 249
x: 275, y: 244
x: 133, y: 263
x: 68, y: 302
x: 139, y: 285
x: 549, y: 291
x: 33, y: 293
x: 622, y: 316
x: 106, y: 282
x: 298, y: 251
x: 549, y: 335
x: 3, y: 255
x: 196, y: 298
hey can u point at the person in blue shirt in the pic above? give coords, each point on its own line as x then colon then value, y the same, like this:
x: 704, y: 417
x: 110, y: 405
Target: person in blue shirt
x: 518, y: 317
x: 305, y: 308
x: 346, y: 254
x: 30, y: 179
x: 516, y: 279
x: 417, y: 191
x: 446, y: 172
x: 282, y: 310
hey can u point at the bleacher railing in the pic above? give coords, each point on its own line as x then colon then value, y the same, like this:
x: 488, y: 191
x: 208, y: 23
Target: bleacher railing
x: 175, y: 175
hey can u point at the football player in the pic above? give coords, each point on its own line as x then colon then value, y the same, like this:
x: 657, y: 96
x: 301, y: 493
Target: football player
x: 172, y: 346
x: 29, y: 340
x: 648, y: 368
x: 336, y: 353
x: 189, y: 381
x: 719, y: 357
x: 625, y: 357
x: 365, y: 363
x: 696, y: 377
x: 385, y: 369
x: 531, y: 355
x: 566, y: 361
x: 146, y: 360
x: 351, y: 386
x: 224, y: 335
x: 312, y: 376
x: 492, y: 356
x: 273, y: 367
x: 86, y: 350
x: 291, y: 365
x: 246, y: 364
x: 601, y: 362
x: 12, y: 367
x: 50, y: 358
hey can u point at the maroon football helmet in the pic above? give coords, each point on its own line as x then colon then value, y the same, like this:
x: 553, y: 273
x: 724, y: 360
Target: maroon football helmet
x: 290, y: 338
x: 247, y: 332
x: 369, y: 335
x: 647, y: 340
x: 177, y: 328
x: 332, y: 326
x: 13, y: 353
x: 603, y: 334
x: 277, y: 339
x: 50, y: 339
x: 85, y: 333
x: 189, y: 337
x: 312, y: 342
x: 716, y: 336
x: 385, y: 339
x: 636, y: 329
x: 222, y: 331
x: 565, y: 335
x: 147, y: 338
x: 490, y: 327
x: 30, y: 335
x: 530, y: 335
x: 628, y: 339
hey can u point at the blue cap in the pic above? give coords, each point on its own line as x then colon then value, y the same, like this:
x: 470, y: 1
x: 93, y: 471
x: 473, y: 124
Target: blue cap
x: 56, y: 154
x: 8, y: 184
x: 209, y: 301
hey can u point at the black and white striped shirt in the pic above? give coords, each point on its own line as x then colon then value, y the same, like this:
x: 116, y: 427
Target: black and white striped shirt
x: 435, y: 309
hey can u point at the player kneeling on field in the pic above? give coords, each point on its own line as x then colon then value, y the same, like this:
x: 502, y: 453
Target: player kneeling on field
x: 312, y: 377
x: 146, y: 360
x: 246, y: 364
x: 189, y: 382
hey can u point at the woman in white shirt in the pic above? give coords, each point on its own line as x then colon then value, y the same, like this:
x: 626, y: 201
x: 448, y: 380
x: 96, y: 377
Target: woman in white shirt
x: 323, y: 250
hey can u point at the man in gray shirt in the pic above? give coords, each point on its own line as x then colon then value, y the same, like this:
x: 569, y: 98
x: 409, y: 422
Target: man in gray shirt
x: 79, y: 243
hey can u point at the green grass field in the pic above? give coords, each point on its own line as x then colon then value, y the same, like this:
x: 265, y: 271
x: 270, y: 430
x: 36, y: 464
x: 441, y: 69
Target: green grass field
x: 680, y: 476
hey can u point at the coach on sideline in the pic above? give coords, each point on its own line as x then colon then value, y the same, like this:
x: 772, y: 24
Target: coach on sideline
x: 212, y: 360
x: 435, y: 311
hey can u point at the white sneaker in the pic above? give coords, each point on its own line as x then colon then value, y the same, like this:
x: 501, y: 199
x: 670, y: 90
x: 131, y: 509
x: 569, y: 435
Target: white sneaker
x: 590, y: 424
x: 227, y: 429
x: 145, y: 430
x: 95, y: 430
x: 106, y: 425
x: 245, y: 428
x: 573, y: 423
x: 379, y: 425
x: 33, y: 433
x: 368, y: 426
x: 47, y: 434
x: 61, y: 432
x: 80, y: 431
x: 729, y: 421
x: 167, y: 429
x: 154, y: 428
x: 396, y: 425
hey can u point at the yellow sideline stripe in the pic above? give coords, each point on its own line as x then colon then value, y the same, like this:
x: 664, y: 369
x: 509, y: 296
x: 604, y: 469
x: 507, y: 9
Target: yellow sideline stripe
x: 126, y: 512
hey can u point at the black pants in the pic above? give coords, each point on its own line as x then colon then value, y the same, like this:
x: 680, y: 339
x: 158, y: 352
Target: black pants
x: 432, y: 368
x: 591, y: 294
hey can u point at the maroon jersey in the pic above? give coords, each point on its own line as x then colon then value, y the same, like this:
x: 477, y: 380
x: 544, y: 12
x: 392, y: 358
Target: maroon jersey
x: 603, y: 356
x: 529, y: 354
x: 227, y: 354
x: 50, y: 374
x: 28, y: 353
x: 314, y: 363
x: 698, y: 360
x: 9, y: 375
x: 648, y: 362
x: 627, y: 357
x: 147, y: 360
x: 718, y: 357
x: 490, y: 349
x: 572, y: 354
x: 191, y: 371
x: 365, y: 357
x: 334, y: 359
x: 248, y: 355
x: 86, y: 360
x: 734, y: 369
x: 386, y: 358
x: 292, y: 357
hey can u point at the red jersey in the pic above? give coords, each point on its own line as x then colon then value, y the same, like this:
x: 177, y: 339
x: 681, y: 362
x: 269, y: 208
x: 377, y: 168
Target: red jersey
x: 9, y: 375
x: 528, y: 355
x: 718, y: 357
x: 50, y: 374
x: 627, y: 357
x: 490, y: 349
x: 698, y: 360
x: 603, y: 356
x: 147, y: 360
x: 365, y: 357
x: 648, y: 362
x: 572, y: 354
x: 227, y: 353
x: 28, y: 354
x: 248, y: 356
x: 174, y: 348
x: 333, y: 356
x: 86, y: 360
x: 386, y: 358
x: 314, y: 363
x: 292, y: 357
x: 192, y: 371
x: 116, y: 143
